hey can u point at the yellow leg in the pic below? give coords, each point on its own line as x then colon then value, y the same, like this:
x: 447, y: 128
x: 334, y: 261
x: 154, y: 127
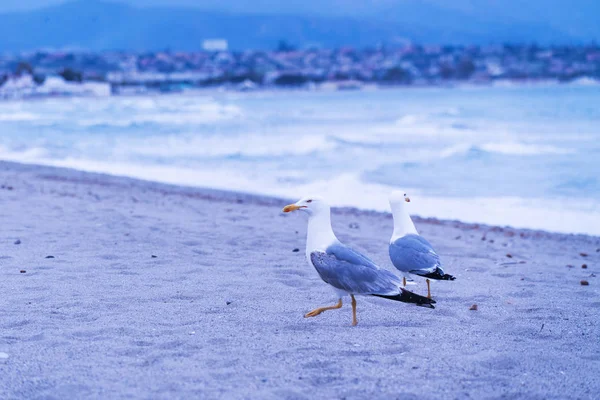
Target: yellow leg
x: 404, y: 281
x: 318, y: 311
x: 354, y: 320
x: 428, y: 289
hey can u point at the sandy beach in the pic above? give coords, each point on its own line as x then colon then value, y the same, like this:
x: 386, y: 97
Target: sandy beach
x: 118, y: 288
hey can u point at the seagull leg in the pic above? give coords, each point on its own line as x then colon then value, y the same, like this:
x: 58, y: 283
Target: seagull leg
x: 354, y: 320
x: 318, y: 311
x: 428, y: 289
x: 404, y: 281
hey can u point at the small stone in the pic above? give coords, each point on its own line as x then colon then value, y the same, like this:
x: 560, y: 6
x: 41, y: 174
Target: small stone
x: 473, y: 307
x: 49, y: 256
x: 584, y: 283
x: 491, y: 240
x: 153, y: 256
x: 353, y: 225
x: 458, y: 237
x: 584, y: 266
x: 296, y: 250
x: 18, y: 241
x: 583, y: 254
x: 22, y: 271
x: 570, y: 266
x: 228, y: 302
x: 509, y: 255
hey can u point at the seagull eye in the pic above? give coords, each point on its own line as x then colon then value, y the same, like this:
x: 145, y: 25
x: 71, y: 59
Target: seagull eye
x: 404, y: 194
x: 309, y: 201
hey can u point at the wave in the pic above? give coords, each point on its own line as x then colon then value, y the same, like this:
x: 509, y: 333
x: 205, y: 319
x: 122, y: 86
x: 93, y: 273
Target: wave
x: 32, y: 154
x: 350, y: 190
x: 523, y: 149
x: 433, y: 115
x: 504, y: 148
x: 205, y: 115
x: 248, y: 145
x: 18, y: 117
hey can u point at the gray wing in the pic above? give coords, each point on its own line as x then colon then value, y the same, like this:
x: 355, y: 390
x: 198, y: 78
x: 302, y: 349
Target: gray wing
x: 412, y: 253
x: 348, y: 270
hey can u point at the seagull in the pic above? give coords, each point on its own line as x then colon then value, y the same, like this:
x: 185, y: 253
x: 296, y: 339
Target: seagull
x: 410, y: 252
x: 348, y: 271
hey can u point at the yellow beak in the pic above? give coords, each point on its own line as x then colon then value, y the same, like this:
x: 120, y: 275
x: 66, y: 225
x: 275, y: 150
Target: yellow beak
x: 290, y: 208
x: 407, y: 199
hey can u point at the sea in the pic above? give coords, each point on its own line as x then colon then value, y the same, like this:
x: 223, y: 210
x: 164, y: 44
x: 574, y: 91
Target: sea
x: 520, y: 156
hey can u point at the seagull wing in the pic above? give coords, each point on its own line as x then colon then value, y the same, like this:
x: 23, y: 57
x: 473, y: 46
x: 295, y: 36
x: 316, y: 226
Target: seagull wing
x: 414, y: 254
x: 348, y: 270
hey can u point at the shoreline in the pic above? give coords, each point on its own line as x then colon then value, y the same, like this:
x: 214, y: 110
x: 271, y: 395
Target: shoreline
x: 271, y: 199
x: 117, y: 287
x: 268, y: 90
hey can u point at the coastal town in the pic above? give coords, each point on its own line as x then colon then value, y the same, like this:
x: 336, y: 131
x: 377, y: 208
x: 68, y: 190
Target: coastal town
x: 56, y: 73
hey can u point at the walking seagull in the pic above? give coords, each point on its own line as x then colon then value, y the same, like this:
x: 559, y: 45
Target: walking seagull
x: 348, y: 271
x: 409, y: 251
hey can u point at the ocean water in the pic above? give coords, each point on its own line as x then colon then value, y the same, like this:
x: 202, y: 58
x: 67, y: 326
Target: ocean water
x: 518, y: 156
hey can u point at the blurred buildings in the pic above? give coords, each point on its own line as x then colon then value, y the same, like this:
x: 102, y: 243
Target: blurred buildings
x: 343, y: 68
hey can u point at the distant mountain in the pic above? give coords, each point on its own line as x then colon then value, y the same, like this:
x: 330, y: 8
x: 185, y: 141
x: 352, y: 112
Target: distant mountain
x: 100, y: 25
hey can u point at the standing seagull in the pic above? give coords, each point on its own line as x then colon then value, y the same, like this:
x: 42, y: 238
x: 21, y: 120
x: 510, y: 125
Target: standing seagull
x: 348, y: 271
x: 409, y: 251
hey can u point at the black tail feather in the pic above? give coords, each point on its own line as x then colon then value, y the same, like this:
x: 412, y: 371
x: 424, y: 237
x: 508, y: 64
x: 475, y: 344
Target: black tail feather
x: 409, y: 297
x: 438, y: 274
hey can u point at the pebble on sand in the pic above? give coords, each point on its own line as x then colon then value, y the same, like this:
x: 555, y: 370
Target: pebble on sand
x: 153, y: 256
x: 22, y: 271
x: 18, y: 241
x: 49, y: 256
x: 296, y: 250
x: 584, y: 266
x: 473, y: 307
x: 584, y: 283
x: 509, y: 255
x: 583, y: 254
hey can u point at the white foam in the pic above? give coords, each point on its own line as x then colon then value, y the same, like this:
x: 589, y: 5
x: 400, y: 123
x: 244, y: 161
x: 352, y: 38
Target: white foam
x: 516, y: 148
x: 31, y: 154
x: 18, y: 117
x: 556, y: 215
x: 252, y: 145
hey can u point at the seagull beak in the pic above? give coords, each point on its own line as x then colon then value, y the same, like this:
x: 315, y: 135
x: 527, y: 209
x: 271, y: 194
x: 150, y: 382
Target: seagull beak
x: 407, y: 199
x: 290, y: 208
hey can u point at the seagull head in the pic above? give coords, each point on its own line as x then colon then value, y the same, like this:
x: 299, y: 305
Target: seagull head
x: 398, y: 197
x: 312, y: 205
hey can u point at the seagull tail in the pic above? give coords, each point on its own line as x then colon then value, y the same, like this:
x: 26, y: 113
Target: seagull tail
x: 438, y: 274
x: 409, y: 297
